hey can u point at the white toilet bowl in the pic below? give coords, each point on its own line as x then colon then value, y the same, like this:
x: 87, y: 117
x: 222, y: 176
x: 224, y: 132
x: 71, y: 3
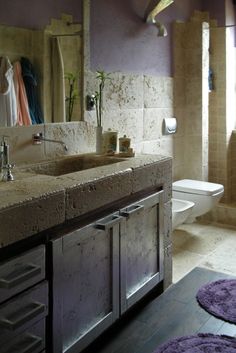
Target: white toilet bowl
x: 205, y: 195
x: 181, y: 210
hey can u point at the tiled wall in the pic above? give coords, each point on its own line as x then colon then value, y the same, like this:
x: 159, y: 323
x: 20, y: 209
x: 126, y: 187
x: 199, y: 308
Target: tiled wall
x: 233, y: 165
x: 135, y: 105
x: 79, y: 137
x: 208, y: 118
x: 191, y: 42
x: 217, y: 110
x: 222, y: 112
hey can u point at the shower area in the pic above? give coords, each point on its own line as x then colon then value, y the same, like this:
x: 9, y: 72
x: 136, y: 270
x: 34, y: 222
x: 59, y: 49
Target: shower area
x: 204, y: 104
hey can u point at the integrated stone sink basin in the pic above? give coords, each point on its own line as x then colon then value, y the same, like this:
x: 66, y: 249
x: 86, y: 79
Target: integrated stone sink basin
x: 70, y: 164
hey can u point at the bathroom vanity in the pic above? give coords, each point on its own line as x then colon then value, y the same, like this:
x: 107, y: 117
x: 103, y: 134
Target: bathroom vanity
x: 105, y: 239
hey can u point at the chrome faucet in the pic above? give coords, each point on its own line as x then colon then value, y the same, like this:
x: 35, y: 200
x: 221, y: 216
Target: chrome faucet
x: 38, y: 138
x: 5, y: 164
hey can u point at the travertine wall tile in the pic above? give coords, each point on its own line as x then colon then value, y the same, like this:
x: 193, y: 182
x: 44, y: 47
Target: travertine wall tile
x: 190, y: 98
x: 127, y: 122
x: 122, y: 91
x: 153, y: 122
x: 223, y: 213
x: 179, y: 29
x: 158, y: 92
x: 142, y: 125
x: 151, y: 147
x: 20, y: 140
x: 79, y: 137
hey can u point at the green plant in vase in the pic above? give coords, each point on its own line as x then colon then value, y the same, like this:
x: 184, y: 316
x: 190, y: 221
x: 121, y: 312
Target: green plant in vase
x: 102, y: 77
x: 72, y: 94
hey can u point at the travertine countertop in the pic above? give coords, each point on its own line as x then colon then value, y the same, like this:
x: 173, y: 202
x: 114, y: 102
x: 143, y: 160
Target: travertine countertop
x: 33, y: 203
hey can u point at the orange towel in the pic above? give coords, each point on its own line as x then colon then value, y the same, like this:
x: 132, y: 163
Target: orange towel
x: 23, y: 115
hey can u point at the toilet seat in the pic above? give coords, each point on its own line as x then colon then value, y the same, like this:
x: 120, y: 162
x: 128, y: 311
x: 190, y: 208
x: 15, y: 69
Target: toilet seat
x: 197, y: 187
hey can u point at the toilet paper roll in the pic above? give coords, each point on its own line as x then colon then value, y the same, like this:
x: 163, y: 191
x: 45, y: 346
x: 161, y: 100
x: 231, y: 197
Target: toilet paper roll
x: 169, y: 126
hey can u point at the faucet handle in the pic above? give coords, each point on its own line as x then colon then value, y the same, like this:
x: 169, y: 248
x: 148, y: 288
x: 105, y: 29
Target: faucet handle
x: 37, y: 138
x: 7, y: 176
x: 4, y: 139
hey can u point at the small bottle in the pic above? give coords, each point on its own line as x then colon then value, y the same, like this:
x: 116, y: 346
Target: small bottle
x: 124, y: 144
x: 110, y: 141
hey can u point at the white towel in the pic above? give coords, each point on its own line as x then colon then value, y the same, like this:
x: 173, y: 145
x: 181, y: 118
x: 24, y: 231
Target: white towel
x: 8, y: 106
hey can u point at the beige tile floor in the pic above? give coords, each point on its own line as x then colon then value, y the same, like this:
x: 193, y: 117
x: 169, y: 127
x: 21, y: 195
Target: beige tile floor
x: 212, y: 246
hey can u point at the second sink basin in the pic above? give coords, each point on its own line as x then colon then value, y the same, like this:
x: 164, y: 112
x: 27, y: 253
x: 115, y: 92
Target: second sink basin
x: 71, y: 164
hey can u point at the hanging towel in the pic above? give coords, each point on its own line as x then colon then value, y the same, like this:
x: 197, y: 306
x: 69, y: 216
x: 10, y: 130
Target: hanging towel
x: 8, y: 107
x: 58, y: 84
x: 30, y: 81
x: 23, y: 115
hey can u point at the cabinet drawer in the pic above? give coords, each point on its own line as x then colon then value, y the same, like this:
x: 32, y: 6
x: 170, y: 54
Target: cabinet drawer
x: 20, y: 313
x: 22, y: 272
x: 31, y: 340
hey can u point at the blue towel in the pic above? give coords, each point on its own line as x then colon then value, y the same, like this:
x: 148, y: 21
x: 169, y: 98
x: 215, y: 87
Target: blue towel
x: 30, y: 81
x: 210, y: 80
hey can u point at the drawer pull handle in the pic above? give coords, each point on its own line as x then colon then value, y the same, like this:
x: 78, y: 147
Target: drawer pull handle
x: 19, y: 275
x: 27, y: 344
x: 21, y: 316
x: 128, y: 211
x: 108, y: 222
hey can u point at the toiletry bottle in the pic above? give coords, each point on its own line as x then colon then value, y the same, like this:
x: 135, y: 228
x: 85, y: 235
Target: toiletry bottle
x: 124, y: 144
x: 110, y: 141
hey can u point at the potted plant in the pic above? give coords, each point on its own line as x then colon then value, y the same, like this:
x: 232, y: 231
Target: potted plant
x: 102, y: 77
x: 72, y: 94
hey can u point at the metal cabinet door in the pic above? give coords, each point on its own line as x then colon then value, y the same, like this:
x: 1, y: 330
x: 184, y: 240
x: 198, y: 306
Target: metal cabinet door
x: 85, y: 284
x: 141, y: 249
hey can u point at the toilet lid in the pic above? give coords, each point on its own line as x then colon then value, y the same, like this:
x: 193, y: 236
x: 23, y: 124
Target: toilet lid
x: 197, y: 187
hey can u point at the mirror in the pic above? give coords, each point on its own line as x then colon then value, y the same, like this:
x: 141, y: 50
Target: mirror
x: 51, y: 39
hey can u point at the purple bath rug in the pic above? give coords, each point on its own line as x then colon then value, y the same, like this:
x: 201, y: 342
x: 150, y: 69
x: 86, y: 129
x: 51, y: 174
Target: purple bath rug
x: 200, y: 343
x: 219, y: 299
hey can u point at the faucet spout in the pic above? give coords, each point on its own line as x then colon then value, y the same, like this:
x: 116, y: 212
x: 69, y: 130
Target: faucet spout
x: 38, y: 138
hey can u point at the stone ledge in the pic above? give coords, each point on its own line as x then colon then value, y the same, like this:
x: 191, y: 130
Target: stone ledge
x: 37, y: 202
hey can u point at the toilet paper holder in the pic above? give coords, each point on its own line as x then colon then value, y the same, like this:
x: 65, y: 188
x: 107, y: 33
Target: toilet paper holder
x: 169, y: 126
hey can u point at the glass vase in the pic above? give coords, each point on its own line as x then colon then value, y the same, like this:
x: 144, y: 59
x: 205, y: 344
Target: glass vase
x: 99, y: 146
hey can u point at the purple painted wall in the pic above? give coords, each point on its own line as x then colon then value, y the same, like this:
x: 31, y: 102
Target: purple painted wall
x: 122, y: 41
x: 216, y: 9
x: 120, y: 38
x: 36, y: 14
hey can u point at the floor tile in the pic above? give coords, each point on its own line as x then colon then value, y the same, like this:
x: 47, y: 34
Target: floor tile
x: 183, y: 262
x: 211, y: 246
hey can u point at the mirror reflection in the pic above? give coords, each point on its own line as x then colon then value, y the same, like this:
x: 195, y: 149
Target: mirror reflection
x: 41, y: 71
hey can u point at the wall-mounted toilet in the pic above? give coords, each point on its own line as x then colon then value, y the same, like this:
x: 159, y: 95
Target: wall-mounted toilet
x: 203, y: 194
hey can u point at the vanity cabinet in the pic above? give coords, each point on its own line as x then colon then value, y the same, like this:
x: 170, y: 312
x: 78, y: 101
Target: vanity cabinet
x: 85, y: 284
x: 141, y: 249
x: 23, y: 303
x: 101, y: 269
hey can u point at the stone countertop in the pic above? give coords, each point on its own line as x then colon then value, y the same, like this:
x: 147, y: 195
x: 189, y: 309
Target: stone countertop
x: 33, y: 202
